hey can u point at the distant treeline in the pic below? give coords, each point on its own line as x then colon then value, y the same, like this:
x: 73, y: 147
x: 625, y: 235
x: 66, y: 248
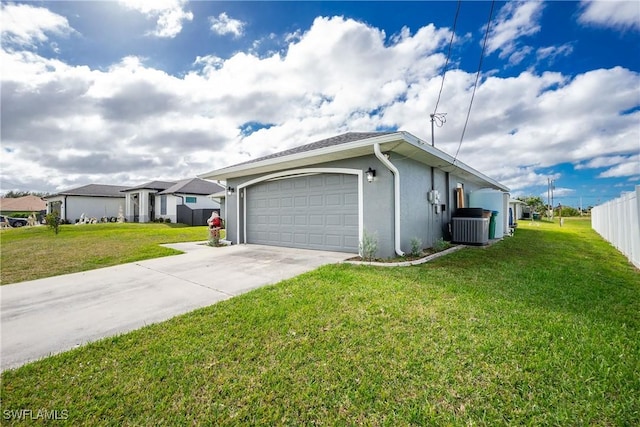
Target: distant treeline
x: 11, y: 194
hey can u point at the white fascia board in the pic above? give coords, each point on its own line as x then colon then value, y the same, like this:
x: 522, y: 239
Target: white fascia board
x: 454, y: 163
x: 246, y: 169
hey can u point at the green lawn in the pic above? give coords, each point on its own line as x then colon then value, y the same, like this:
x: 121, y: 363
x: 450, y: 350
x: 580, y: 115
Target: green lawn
x: 35, y: 252
x: 539, y: 329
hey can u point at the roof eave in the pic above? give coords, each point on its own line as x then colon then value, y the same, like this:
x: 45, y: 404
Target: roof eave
x: 437, y: 158
x: 285, y: 162
x: 452, y: 165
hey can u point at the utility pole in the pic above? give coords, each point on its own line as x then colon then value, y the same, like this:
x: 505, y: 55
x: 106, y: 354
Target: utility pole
x: 439, y: 119
x: 433, y: 140
x: 552, y: 188
x: 580, y: 205
x: 548, y: 196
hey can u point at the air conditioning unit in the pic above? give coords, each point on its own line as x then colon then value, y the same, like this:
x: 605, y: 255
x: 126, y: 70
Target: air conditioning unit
x: 470, y: 231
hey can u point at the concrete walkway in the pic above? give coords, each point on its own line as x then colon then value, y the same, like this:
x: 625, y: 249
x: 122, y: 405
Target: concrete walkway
x: 48, y: 316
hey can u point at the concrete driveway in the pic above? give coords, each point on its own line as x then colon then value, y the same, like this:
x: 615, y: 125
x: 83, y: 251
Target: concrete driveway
x: 48, y: 316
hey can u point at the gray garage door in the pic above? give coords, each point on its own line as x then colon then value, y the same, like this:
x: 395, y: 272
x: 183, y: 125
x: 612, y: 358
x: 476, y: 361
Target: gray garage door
x: 310, y: 212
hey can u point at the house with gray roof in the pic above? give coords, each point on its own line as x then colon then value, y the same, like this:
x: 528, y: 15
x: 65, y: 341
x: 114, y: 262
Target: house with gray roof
x: 329, y: 194
x: 186, y: 201
x: 93, y: 200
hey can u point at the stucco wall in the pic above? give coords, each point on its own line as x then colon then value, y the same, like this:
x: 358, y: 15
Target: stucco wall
x: 173, y: 200
x: 202, y: 202
x: 75, y: 206
x: 418, y: 216
x: 377, y: 208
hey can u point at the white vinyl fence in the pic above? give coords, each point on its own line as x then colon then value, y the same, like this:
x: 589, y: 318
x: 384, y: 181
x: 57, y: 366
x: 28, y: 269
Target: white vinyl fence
x: 618, y: 221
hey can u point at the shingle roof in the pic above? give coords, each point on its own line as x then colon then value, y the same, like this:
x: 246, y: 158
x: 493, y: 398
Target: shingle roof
x: 194, y: 186
x: 336, y: 140
x: 22, y: 204
x: 151, y: 185
x: 95, y: 190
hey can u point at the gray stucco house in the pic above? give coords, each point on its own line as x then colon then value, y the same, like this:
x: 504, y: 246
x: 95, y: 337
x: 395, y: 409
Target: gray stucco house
x: 327, y: 194
x: 186, y: 201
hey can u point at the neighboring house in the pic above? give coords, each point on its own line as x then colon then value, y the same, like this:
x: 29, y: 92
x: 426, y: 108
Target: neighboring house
x: 185, y: 201
x: 92, y: 200
x: 516, y: 211
x: 327, y: 194
x: 26, y: 204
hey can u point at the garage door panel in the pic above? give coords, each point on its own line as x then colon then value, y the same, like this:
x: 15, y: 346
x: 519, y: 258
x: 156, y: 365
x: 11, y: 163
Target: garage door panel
x: 286, y: 220
x: 316, y: 239
x: 316, y: 181
x: 333, y: 240
x: 314, y: 212
x: 351, y: 220
x: 286, y: 202
x: 274, y: 203
x: 333, y: 180
x: 333, y: 199
x: 316, y: 200
x: 300, y: 238
x: 351, y: 241
x: 351, y: 199
x: 273, y: 235
x: 333, y: 220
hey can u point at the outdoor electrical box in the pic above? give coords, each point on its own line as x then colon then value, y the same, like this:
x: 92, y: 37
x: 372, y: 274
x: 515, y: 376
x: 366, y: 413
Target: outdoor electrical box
x: 433, y: 197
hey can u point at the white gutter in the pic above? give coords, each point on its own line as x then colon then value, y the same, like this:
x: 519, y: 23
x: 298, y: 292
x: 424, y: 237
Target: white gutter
x: 396, y: 195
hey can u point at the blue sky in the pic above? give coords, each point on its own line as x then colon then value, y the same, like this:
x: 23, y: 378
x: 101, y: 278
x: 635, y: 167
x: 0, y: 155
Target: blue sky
x: 131, y: 91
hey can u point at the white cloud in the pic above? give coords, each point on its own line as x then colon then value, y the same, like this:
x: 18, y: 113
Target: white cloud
x: 131, y: 123
x: 170, y: 14
x: 615, y: 14
x: 630, y: 166
x: 223, y: 24
x: 563, y: 192
x: 601, y: 162
x: 27, y: 26
x: 514, y: 21
x: 550, y: 53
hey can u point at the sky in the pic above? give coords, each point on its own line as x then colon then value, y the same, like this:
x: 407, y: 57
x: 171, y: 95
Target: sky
x: 125, y: 92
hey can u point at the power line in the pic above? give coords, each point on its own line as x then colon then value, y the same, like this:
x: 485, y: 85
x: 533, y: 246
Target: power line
x: 475, y: 85
x: 446, y: 64
x: 439, y: 119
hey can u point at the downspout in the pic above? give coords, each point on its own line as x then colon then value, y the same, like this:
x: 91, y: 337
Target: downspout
x: 396, y: 196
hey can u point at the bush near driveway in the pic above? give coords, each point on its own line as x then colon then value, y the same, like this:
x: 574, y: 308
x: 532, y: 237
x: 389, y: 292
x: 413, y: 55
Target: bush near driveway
x: 539, y: 329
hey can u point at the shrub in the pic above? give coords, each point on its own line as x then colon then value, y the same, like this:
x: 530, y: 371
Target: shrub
x: 53, y: 221
x: 440, y: 245
x: 416, y: 247
x: 167, y: 220
x: 368, y: 246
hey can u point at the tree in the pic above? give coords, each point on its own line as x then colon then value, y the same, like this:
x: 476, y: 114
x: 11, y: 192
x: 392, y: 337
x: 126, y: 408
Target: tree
x: 535, y: 203
x: 569, y: 211
x: 53, y: 221
x: 14, y: 194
